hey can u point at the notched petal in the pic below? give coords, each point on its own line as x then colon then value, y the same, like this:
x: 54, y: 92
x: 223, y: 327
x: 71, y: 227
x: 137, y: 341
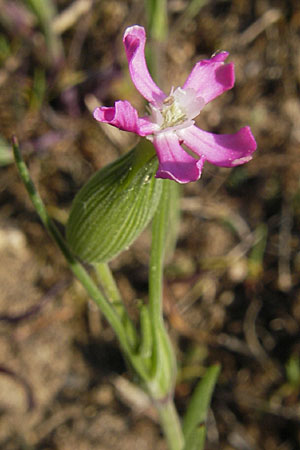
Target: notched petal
x: 211, y: 77
x: 134, y: 40
x: 123, y: 116
x: 174, y: 163
x: 225, y: 150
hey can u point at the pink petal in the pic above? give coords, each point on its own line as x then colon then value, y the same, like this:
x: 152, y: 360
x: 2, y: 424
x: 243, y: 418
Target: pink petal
x: 174, y: 163
x: 211, y: 77
x: 225, y: 150
x: 134, y: 41
x: 125, y: 117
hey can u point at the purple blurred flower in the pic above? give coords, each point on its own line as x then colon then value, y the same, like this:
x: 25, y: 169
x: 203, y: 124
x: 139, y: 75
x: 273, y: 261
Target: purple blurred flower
x: 170, y: 122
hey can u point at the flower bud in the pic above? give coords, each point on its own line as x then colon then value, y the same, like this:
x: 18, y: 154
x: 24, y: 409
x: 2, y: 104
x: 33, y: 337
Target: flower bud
x: 114, y: 206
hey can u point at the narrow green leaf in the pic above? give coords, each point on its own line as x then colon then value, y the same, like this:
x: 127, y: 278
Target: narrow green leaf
x: 198, y: 406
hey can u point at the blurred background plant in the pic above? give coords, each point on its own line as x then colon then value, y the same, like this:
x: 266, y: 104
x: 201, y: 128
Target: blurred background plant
x: 232, y: 288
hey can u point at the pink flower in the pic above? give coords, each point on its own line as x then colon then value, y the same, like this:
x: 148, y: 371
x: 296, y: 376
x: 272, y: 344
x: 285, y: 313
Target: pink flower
x: 170, y: 122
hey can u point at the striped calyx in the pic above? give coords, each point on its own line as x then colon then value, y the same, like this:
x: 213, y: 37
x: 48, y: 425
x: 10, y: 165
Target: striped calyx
x: 114, y: 206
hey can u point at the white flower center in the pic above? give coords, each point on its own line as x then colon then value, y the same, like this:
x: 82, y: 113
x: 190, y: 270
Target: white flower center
x: 178, y: 109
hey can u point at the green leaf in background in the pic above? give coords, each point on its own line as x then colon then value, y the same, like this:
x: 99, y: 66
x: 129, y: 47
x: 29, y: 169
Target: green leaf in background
x: 293, y: 371
x: 196, y: 413
x: 115, y: 206
x: 38, y: 90
x: 157, y: 18
x: 157, y: 30
x: 6, y: 155
x: 5, y: 49
x: 256, y: 257
x: 45, y: 12
x: 192, y: 9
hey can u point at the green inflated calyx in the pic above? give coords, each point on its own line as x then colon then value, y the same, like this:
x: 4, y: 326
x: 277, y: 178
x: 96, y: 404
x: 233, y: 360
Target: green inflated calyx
x: 114, y: 206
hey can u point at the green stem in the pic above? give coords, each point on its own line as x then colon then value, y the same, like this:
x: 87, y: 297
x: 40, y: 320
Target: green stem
x: 110, y: 287
x: 169, y: 421
x: 163, y: 361
x: 113, y: 294
x: 78, y: 270
x: 159, y: 223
